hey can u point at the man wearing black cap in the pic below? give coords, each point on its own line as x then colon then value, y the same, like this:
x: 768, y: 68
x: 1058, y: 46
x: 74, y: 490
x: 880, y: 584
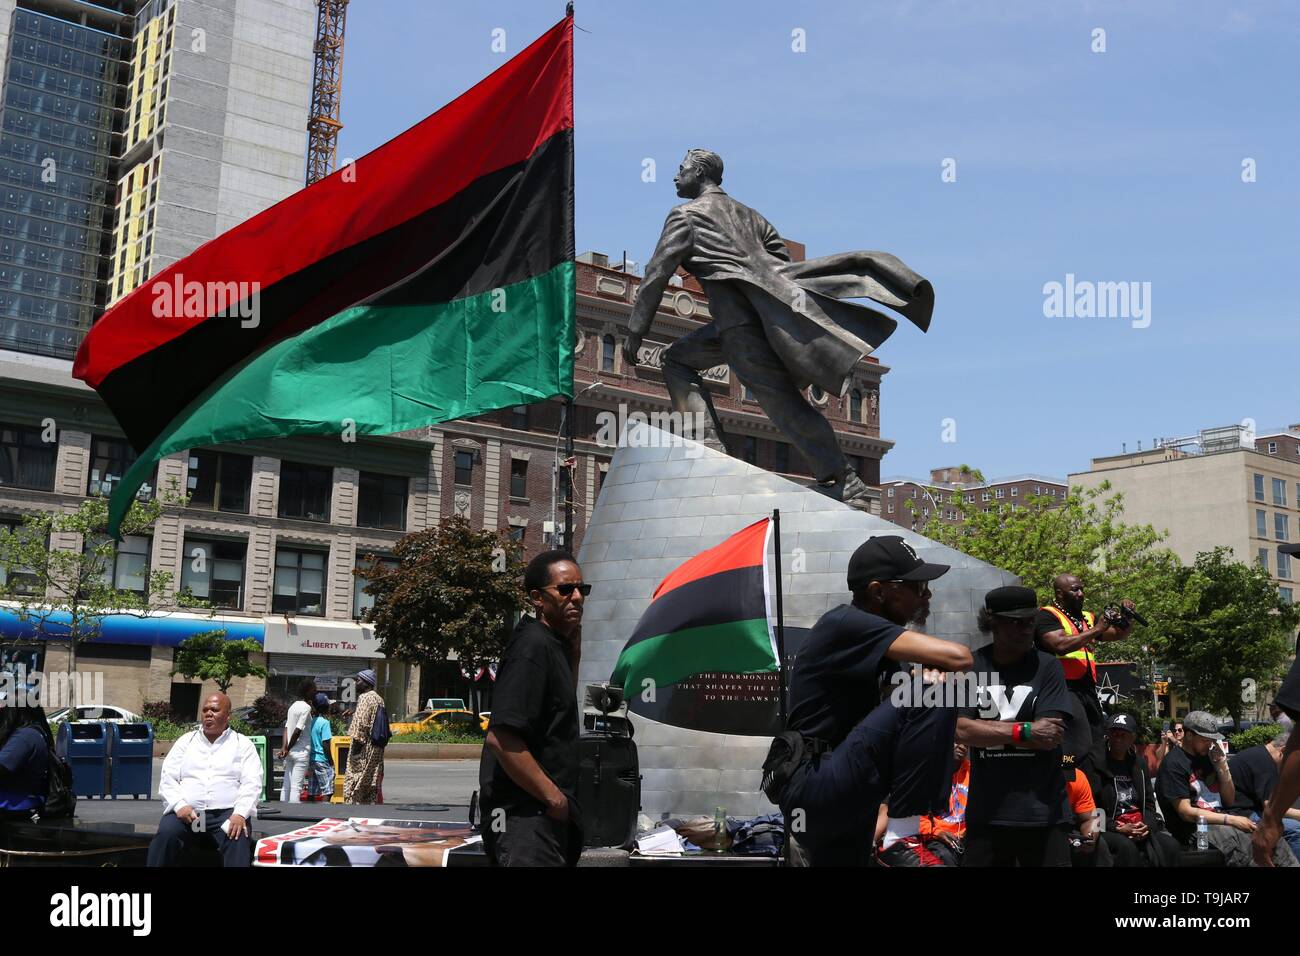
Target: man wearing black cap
x: 1016, y: 811
x: 844, y: 750
x: 1287, y: 790
x: 1135, y: 835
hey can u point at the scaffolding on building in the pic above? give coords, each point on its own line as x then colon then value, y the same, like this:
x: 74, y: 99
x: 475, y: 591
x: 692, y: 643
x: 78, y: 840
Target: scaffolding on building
x: 327, y: 90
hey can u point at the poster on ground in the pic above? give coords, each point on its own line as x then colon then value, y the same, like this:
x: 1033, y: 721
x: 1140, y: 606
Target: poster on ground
x: 360, y: 841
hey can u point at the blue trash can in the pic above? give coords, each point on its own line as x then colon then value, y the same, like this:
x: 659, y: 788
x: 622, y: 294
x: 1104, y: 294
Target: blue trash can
x: 84, y: 745
x: 130, y: 769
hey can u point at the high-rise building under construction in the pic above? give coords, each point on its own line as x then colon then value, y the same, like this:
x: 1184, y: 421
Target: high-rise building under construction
x: 131, y: 132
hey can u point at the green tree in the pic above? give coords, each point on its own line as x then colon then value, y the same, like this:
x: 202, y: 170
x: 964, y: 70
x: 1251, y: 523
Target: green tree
x: 209, y: 656
x: 65, y: 592
x: 1233, y: 628
x: 1083, y: 534
x: 454, y: 590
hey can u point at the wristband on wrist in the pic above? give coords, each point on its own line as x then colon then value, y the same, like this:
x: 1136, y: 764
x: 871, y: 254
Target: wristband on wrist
x: 1027, y: 731
x: 1015, y: 733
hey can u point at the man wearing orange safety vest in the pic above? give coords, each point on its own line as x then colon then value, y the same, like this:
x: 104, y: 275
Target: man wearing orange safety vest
x: 1065, y: 629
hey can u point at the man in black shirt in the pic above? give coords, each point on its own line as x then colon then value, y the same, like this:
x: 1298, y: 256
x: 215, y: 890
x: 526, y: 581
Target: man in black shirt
x: 1254, y: 776
x: 858, y: 750
x: 1065, y: 629
x: 1016, y: 811
x: 1194, y: 784
x: 1134, y: 833
x: 1287, y: 791
x: 528, y: 775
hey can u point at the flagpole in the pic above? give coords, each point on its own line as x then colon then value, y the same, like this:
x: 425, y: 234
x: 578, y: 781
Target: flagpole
x: 780, y: 665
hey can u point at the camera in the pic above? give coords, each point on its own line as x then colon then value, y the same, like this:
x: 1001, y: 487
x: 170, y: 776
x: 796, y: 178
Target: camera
x: 1122, y: 614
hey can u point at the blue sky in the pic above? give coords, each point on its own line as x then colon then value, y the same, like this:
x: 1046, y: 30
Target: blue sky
x: 1115, y: 166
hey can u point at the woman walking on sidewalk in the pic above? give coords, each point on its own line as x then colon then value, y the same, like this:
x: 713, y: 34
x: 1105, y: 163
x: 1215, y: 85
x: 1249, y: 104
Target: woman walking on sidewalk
x: 365, y: 775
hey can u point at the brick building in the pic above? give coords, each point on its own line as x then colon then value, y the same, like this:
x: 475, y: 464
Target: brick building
x: 898, y: 493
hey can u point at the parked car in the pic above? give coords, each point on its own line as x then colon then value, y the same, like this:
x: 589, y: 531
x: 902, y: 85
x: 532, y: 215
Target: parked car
x: 112, y: 715
x: 458, y: 721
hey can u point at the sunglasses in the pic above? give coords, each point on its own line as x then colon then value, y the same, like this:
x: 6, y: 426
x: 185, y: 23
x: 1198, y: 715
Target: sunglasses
x: 919, y: 588
x: 567, y: 590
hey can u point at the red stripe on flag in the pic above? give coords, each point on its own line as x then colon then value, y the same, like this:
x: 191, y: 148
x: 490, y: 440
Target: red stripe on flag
x: 744, y: 549
x: 499, y: 122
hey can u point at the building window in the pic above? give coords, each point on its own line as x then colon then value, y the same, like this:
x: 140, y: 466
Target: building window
x: 970, y: 498
x: 219, y: 481
x: 1283, y: 565
x: 1285, y: 595
x: 1051, y: 492
x: 299, y: 582
x: 817, y: 395
x: 1015, y: 492
x: 1000, y: 493
x: 1279, y: 492
x: 305, y: 491
x: 750, y: 450
x: 745, y: 394
x: 128, y: 568
x: 1038, y: 490
x: 214, y: 572
x: 25, y: 460
x: 781, y: 456
x: 608, y: 350
x: 855, y: 405
x: 361, y: 601
x: 951, y: 515
x: 1263, y: 558
x: 109, y: 460
x: 891, y: 492
x: 517, y: 533
x: 519, y: 478
x: 986, y: 496
x: 1261, y: 524
x: 1281, y: 527
x: 601, y: 475
x: 519, y: 417
x: 464, y: 468
x: 891, y: 507
x: 1272, y: 448
x: 18, y: 580
x: 1259, y: 487
x: 381, y: 501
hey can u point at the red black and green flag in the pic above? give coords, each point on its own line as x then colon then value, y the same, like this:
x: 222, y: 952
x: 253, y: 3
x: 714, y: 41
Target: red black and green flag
x: 709, y: 615
x: 432, y: 279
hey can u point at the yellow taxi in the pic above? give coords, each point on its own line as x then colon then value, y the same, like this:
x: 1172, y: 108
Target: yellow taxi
x: 456, y: 721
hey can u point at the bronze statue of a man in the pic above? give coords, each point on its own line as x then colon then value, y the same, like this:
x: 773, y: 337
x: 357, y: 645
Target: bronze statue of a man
x: 780, y: 325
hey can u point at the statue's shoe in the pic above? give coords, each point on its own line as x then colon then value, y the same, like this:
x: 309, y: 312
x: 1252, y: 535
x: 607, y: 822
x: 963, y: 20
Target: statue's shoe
x: 854, y: 491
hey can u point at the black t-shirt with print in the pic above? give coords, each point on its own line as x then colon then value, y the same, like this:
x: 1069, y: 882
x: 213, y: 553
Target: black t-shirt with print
x: 835, y: 680
x: 1126, y: 798
x: 534, y: 696
x: 1010, y: 785
x: 1254, y: 774
x: 1193, y: 778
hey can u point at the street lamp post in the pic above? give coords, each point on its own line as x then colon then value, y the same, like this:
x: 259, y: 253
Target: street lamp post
x: 565, y: 474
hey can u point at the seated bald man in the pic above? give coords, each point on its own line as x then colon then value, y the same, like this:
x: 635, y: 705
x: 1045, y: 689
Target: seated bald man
x: 210, y: 783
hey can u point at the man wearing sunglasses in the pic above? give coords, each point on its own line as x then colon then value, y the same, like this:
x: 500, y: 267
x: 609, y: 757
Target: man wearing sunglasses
x: 845, y: 750
x: 528, y: 775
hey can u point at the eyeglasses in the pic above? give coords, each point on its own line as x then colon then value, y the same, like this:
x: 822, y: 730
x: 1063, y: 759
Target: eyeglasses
x: 566, y: 590
x: 919, y: 588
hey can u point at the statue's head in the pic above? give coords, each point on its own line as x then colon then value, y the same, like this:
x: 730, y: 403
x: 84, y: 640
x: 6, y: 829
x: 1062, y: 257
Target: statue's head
x: 701, y: 167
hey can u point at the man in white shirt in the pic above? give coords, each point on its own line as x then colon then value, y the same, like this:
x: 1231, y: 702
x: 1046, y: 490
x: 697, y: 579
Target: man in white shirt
x: 210, y: 783
x: 296, y: 752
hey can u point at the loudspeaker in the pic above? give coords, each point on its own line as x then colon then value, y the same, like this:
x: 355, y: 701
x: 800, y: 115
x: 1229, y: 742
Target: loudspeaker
x: 609, y: 789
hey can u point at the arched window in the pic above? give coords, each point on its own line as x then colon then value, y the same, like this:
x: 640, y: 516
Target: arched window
x: 855, y: 405
x: 607, y: 354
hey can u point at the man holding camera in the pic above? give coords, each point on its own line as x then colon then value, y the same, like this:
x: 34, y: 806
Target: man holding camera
x: 1065, y: 629
x: 1016, y: 810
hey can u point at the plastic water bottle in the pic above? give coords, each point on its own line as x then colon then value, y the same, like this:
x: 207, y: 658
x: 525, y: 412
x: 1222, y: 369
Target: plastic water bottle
x: 719, y: 829
x: 1202, y: 834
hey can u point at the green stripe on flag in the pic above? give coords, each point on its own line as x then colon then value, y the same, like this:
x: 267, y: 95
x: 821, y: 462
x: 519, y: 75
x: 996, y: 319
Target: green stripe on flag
x: 386, y: 369
x: 736, y: 647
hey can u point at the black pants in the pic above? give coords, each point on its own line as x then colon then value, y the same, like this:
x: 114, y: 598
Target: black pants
x: 533, y: 840
x: 1017, y: 846
x: 1158, y: 849
x: 173, y: 837
x: 900, y: 753
x: 1086, y: 735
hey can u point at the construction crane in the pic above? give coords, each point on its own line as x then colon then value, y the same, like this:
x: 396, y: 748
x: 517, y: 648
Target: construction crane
x: 327, y: 90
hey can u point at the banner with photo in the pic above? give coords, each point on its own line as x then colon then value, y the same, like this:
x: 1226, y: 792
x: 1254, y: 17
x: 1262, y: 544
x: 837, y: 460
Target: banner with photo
x: 360, y: 841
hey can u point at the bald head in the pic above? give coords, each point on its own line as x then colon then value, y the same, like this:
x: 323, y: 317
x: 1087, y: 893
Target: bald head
x: 215, y: 715
x: 1069, y: 592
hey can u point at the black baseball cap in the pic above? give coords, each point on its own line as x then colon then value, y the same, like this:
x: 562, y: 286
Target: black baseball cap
x: 1122, y: 722
x: 1012, y: 602
x: 889, y: 558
